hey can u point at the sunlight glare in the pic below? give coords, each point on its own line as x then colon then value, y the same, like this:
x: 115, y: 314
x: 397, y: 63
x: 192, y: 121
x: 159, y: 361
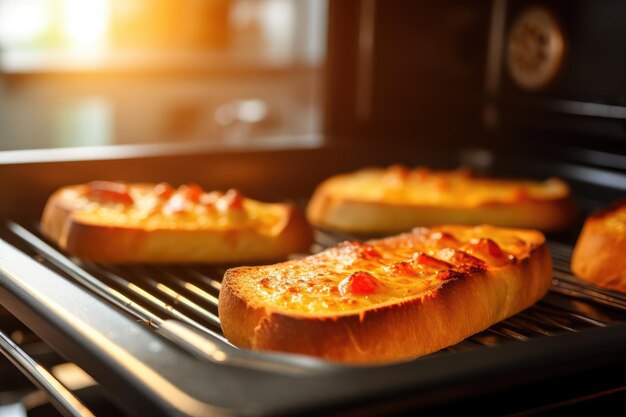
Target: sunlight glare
x: 22, y: 21
x: 86, y: 24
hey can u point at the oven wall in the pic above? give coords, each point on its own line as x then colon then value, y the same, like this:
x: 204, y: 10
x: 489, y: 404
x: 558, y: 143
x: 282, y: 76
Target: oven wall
x: 439, y: 72
x: 406, y: 70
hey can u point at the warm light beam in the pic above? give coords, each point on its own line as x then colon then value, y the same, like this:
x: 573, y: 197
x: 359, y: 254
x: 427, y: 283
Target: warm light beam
x: 86, y: 24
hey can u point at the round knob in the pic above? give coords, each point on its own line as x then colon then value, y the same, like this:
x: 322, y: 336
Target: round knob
x: 535, y: 48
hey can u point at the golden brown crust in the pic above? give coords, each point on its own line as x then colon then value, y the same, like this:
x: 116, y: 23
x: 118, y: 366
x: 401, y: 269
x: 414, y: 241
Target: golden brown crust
x: 332, y: 209
x: 391, y: 332
x: 95, y: 239
x: 599, y: 253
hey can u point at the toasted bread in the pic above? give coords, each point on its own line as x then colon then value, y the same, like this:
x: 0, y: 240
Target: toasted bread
x: 147, y: 223
x: 397, y: 199
x: 599, y: 253
x: 387, y: 300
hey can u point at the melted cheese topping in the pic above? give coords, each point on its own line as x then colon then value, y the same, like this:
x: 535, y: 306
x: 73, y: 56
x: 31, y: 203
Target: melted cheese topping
x: 616, y: 220
x: 420, y: 186
x: 178, y: 210
x: 405, y: 266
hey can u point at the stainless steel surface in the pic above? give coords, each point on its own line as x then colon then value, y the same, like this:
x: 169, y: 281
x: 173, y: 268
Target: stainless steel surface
x: 59, y: 395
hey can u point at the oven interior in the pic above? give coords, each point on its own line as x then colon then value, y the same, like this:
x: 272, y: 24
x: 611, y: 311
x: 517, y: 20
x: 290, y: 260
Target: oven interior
x: 120, y: 324
x: 149, y: 337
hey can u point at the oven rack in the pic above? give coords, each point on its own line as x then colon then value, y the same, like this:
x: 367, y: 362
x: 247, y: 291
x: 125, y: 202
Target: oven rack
x: 180, y: 303
x: 154, y: 294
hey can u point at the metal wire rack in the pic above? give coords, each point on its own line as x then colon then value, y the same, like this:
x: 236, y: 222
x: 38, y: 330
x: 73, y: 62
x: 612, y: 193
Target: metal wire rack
x: 189, y: 294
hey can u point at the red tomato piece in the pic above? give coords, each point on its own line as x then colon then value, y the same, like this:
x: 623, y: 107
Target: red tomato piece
x: 192, y: 192
x: 359, y: 283
x: 234, y: 199
x: 490, y: 251
x: 445, y: 239
x: 367, y: 251
x: 163, y: 190
x: 109, y: 192
x: 421, y: 259
x: 403, y: 269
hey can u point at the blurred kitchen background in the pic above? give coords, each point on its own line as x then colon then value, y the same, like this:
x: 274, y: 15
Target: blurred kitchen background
x: 101, y: 72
